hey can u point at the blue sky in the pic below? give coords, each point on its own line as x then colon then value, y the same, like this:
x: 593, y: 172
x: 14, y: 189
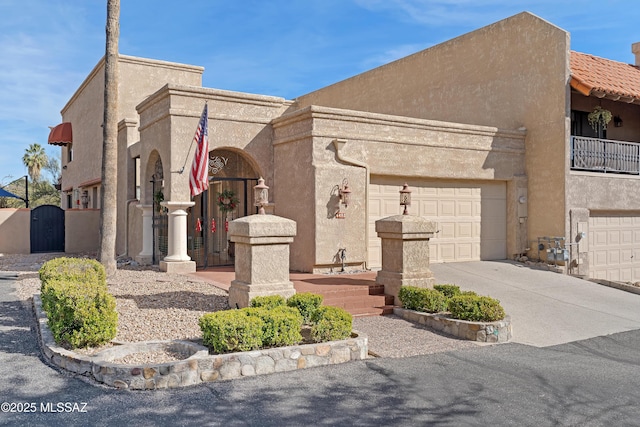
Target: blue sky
x: 275, y: 47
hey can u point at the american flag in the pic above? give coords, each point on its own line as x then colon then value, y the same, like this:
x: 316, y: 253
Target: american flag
x: 199, y: 177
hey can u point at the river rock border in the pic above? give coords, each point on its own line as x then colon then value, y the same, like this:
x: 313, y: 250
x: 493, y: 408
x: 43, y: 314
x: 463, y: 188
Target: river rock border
x: 200, y: 367
x: 489, y: 332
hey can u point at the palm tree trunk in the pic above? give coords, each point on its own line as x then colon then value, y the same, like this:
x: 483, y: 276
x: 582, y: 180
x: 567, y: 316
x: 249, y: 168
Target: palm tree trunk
x: 108, y: 196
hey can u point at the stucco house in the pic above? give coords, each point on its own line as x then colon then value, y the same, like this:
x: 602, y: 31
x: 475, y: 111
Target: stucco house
x: 490, y: 130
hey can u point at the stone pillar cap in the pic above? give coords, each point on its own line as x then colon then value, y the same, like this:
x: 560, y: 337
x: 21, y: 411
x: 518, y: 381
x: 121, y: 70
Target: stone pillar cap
x: 405, y: 224
x: 262, y: 226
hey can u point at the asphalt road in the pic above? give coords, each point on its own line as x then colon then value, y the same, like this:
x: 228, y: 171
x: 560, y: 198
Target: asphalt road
x: 592, y: 382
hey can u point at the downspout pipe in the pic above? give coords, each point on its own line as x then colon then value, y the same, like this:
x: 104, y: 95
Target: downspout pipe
x: 339, y: 144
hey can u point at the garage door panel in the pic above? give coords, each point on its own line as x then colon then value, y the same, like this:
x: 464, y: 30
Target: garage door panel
x: 447, y: 208
x: 470, y: 217
x: 447, y: 230
x: 464, y: 208
x: 465, y: 230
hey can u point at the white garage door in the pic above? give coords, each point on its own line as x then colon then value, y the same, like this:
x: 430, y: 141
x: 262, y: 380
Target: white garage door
x: 471, y: 217
x: 614, y: 246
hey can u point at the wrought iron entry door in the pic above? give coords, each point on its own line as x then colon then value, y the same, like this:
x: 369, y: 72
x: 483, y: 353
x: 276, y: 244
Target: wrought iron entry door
x: 208, y: 236
x: 47, y: 229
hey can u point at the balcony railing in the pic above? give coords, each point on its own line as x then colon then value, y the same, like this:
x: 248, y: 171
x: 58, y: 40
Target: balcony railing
x: 603, y: 155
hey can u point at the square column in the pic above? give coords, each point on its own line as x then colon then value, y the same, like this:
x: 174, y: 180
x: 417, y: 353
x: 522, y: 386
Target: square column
x: 405, y: 253
x: 146, y: 255
x: 262, y: 258
x: 177, y: 260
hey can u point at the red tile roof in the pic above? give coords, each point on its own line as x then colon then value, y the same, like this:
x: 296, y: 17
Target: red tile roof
x: 591, y: 75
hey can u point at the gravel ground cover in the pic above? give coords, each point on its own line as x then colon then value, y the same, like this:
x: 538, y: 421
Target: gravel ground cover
x: 153, y: 305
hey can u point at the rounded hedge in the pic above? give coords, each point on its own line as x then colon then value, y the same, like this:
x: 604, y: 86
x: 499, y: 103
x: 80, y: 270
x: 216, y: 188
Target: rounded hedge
x: 79, y: 314
x: 268, y: 302
x: 476, y: 308
x: 80, y: 310
x: 73, y: 269
x: 231, y: 330
x: 422, y: 299
x: 306, y: 303
x: 330, y: 324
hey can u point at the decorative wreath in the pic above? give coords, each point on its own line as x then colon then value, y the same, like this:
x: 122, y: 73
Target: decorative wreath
x: 227, y: 201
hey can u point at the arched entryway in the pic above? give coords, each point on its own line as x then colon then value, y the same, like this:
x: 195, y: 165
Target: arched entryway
x: 232, y: 176
x: 154, y: 195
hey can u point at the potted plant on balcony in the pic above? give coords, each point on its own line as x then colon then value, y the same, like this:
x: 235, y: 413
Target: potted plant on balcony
x: 599, y: 118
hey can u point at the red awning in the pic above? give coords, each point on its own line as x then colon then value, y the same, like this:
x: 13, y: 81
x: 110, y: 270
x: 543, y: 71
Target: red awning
x: 61, y: 134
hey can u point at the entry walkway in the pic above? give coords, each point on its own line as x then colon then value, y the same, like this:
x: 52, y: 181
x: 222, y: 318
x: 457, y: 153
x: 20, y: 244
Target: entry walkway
x: 546, y: 308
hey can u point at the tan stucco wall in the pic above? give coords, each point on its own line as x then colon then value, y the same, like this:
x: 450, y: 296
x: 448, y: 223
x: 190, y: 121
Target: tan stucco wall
x: 138, y: 78
x: 510, y: 74
x: 81, y: 230
x: 306, y: 163
x: 15, y: 237
x: 237, y: 121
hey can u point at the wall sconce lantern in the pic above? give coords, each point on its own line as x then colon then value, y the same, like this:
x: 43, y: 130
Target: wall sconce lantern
x: 85, y: 199
x: 261, y: 195
x: 617, y: 121
x: 345, y: 193
x: 405, y: 198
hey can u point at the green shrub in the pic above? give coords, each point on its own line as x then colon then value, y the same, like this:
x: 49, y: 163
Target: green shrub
x: 80, y: 314
x: 268, y: 302
x: 476, y: 308
x: 469, y: 293
x: 306, y: 303
x: 282, y: 325
x: 448, y: 291
x: 330, y: 324
x: 422, y: 299
x: 231, y: 330
x: 73, y: 269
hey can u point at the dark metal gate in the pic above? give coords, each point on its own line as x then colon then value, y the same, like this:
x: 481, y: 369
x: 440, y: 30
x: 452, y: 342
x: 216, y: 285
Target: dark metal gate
x: 160, y: 224
x: 47, y: 229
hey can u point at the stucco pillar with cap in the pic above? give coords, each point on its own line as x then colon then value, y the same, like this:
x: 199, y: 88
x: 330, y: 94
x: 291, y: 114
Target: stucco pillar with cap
x: 405, y: 253
x: 145, y: 257
x: 177, y: 260
x: 262, y: 258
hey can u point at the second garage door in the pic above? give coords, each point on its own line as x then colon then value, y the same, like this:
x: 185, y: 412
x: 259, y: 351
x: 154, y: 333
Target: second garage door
x: 471, y: 217
x: 614, y: 239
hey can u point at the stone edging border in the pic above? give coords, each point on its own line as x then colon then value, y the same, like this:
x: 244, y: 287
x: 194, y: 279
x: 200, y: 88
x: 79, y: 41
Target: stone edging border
x: 489, y: 332
x: 198, y: 368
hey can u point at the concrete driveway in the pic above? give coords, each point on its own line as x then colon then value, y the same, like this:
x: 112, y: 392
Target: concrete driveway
x: 546, y: 308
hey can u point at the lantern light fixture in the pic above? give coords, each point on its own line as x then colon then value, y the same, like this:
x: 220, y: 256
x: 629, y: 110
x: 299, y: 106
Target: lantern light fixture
x: 617, y: 121
x: 261, y: 195
x: 345, y: 193
x: 405, y: 198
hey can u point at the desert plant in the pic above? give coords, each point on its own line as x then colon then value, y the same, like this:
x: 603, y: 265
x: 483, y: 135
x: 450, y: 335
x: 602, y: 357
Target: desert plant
x: 268, y: 302
x: 231, y: 330
x: 422, y: 299
x: 330, y: 324
x: 447, y: 290
x: 306, y: 303
x: 80, y: 314
x: 476, y: 308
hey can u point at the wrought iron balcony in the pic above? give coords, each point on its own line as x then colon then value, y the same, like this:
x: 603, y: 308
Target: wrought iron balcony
x: 604, y: 155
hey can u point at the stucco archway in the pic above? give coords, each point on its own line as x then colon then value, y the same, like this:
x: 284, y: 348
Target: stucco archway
x: 232, y: 175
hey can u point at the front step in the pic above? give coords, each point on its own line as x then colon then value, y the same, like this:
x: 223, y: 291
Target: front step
x: 360, y: 300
